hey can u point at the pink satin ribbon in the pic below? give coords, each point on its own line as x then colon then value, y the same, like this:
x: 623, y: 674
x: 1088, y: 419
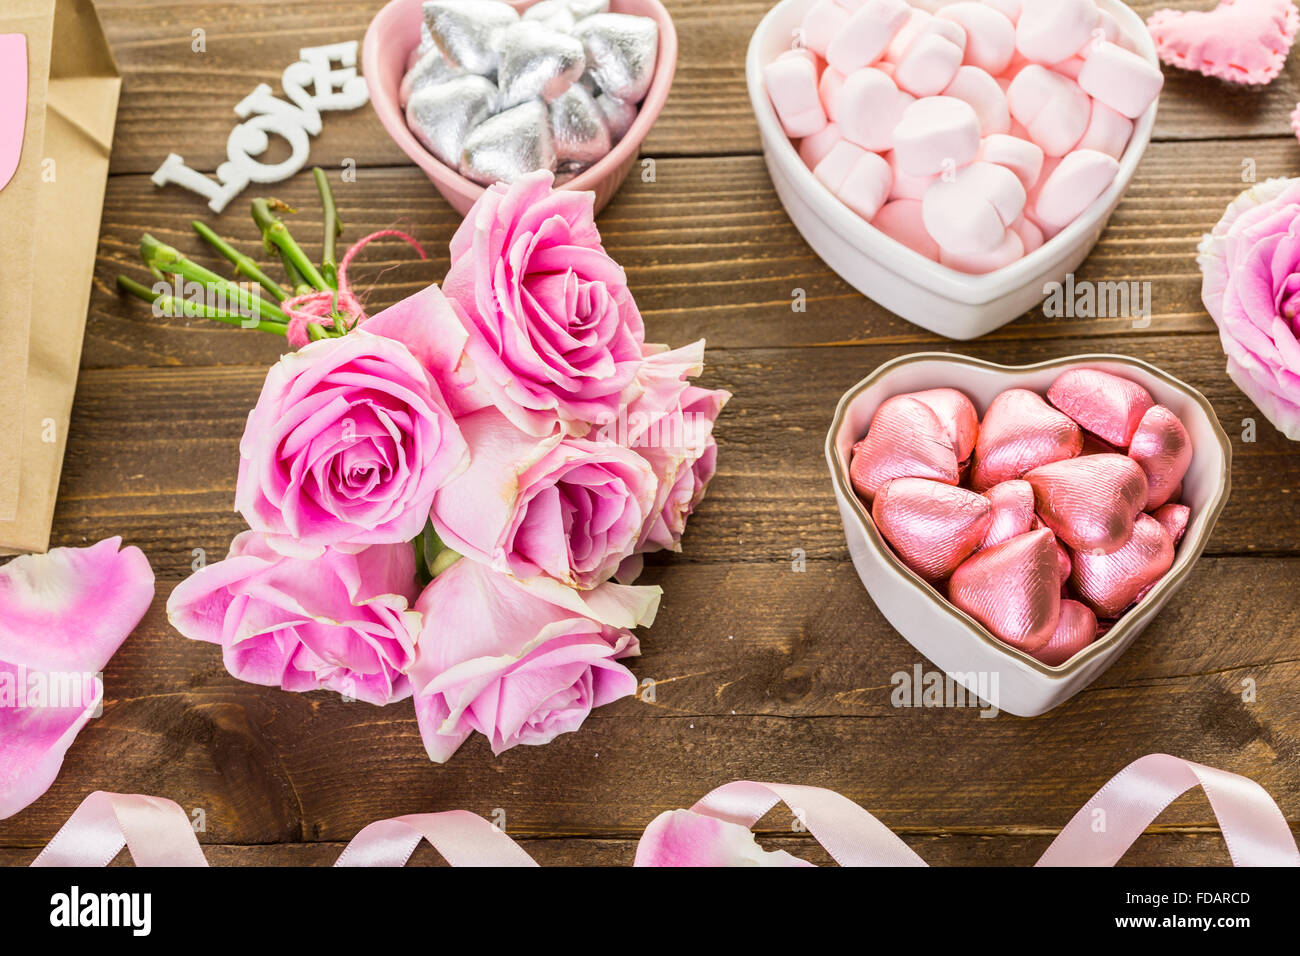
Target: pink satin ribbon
x: 463, y: 839
x: 158, y: 833
x: 1102, y: 831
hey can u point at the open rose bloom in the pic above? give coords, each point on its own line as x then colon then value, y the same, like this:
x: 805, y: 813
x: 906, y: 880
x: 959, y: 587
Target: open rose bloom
x: 515, y: 425
x: 1251, y: 288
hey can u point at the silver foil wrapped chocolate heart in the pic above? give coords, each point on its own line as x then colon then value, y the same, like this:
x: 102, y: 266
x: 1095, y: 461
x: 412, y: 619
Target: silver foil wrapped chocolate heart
x: 425, y: 45
x: 429, y: 70
x: 619, y: 116
x: 441, y: 116
x: 537, y: 62
x: 554, y: 14
x: 578, y: 126
x: 468, y: 31
x: 621, y: 53
x: 506, y: 146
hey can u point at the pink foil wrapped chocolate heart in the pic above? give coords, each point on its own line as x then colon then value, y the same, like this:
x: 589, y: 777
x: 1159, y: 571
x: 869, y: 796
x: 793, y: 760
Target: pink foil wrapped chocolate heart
x: 1174, y: 518
x: 1090, y: 503
x: 957, y: 415
x: 1013, y: 589
x: 905, y: 440
x: 933, y: 527
x: 1110, y: 583
x: 1020, y: 431
x: 1108, y: 406
x: 1239, y: 41
x: 1163, y: 448
x: 1076, y: 629
x: 1012, y: 511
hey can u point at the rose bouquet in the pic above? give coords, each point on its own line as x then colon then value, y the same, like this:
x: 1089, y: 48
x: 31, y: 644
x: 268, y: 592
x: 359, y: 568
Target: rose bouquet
x: 451, y: 500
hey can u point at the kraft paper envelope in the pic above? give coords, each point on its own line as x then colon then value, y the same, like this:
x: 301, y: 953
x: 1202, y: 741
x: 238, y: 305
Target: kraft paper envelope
x: 49, y: 230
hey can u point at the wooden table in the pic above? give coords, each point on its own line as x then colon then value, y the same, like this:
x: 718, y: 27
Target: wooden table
x: 760, y: 671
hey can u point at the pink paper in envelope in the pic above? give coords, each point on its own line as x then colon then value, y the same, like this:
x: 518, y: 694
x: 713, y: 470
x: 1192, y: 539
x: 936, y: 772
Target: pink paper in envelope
x: 13, y: 103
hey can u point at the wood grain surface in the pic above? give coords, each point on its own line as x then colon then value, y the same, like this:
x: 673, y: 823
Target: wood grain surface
x: 760, y: 670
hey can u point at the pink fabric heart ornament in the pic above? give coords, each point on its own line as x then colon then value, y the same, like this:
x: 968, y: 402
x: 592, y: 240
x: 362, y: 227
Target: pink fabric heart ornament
x: 1239, y: 41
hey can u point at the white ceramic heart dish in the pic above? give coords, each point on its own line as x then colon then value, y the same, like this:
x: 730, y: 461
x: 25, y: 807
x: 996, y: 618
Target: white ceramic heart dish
x: 950, y: 638
x: 942, y: 300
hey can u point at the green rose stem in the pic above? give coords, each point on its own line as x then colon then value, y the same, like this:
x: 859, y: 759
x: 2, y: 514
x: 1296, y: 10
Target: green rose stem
x: 333, y: 228
x: 244, y: 265
x: 162, y: 260
x: 170, y: 305
x: 303, y: 276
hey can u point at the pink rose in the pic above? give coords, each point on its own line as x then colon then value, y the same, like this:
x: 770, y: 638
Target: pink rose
x: 1251, y: 288
x: 554, y: 334
x: 341, y: 621
x: 348, y: 444
x: 520, y: 662
x: 566, y: 508
x: 670, y: 425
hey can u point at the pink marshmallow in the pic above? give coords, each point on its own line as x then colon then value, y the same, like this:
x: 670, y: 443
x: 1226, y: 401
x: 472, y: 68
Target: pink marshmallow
x: 823, y: 22
x: 1050, y: 31
x: 791, y: 81
x: 1008, y: 8
x: 1009, y: 250
x: 990, y: 36
x: 866, y: 189
x: 828, y: 87
x: 903, y: 39
x: 929, y: 64
x: 814, y: 148
x: 906, y: 186
x: 1122, y: 80
x: 972, y: 85
x: 1052, y: 107
x: 936, y: 134
x: 1108, y: 132
x: 1071, y: 67
x: 901, y: 221
x: 861, y: 179
x: 1021, y: 156
x: 1072, y: 187
x: 1109, y: 27
x: 864, y: 37
x: 969, y: 214
x: 868, y: 107
x: 1031, y: 237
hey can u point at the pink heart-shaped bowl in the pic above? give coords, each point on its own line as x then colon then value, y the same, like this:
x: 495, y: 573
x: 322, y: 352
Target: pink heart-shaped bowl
x: 395, y: 32
x: 953, y: 640
x: 925, y: 293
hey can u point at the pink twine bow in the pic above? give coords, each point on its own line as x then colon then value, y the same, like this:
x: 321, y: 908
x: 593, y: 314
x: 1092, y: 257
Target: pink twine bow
x: 318, y: 308
x: 157, y: 832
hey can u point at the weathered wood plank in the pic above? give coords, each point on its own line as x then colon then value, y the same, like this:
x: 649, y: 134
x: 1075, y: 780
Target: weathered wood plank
x: 153, y: 452
x: 268, y: 767
x: 1158, y: 847
x: 708, y: 249
x: 179, y: 100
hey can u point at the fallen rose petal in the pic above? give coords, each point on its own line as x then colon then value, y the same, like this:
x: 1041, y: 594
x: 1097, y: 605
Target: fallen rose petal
x: 71, y: 609
x: 684, y: 838
x: 34, y: 737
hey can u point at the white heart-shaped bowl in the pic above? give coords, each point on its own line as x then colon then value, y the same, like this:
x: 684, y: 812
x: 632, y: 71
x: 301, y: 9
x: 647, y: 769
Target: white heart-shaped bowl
x: 952, y: 639
x: 942, y: 300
